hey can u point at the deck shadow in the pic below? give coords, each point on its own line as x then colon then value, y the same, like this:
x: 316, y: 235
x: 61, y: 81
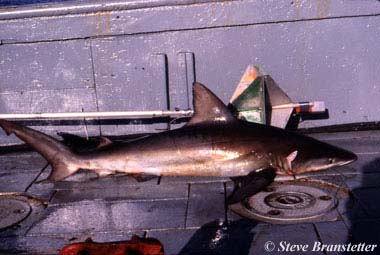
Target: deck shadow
x: 217, y: 237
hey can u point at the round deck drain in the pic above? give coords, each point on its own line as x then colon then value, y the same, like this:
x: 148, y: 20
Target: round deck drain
x: 15, y: 208
x: 291, y: 201
x: 12, y: 211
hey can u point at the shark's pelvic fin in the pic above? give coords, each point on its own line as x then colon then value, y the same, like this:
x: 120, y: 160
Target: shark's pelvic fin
x: 64, y: 162
x: 208, y: 108
x: 247, y: 186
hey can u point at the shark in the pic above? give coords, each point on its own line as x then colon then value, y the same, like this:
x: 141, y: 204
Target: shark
x: 212, y: 143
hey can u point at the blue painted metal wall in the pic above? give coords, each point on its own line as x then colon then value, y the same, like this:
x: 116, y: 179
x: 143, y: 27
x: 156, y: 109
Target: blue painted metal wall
x: 139, y: 55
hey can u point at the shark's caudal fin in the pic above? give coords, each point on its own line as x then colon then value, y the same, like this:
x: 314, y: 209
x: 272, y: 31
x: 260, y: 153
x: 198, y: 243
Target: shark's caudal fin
x: 64, y: 162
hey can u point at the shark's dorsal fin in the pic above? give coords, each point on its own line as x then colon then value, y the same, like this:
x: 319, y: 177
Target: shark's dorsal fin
x: 208, y: 108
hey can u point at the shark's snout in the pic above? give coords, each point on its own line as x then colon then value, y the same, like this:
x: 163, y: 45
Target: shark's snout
x: 346, y: 157
x: 321, y: 156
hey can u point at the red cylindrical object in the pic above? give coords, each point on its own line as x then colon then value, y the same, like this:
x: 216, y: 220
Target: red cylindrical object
x: 136, y: 246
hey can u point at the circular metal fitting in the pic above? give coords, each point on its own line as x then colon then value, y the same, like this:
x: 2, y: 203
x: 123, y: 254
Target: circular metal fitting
x: 12, y: 211
x: 291, y: 202
x: 15, y: 208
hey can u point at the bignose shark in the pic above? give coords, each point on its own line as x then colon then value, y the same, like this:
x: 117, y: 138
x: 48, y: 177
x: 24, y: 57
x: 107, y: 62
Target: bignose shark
x: 212, y: 143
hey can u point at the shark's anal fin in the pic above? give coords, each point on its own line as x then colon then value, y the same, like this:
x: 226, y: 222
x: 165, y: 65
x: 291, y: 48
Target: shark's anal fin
x: 247, y: 186
x: 208, y: 108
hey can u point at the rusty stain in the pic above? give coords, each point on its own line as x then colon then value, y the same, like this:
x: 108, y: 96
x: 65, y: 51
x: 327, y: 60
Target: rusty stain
x: 107, y: 22
x: 103, y: 22
x: 98, y: 23
x: 323, y: 8
x: 297, y: 6
x: 325, y: 184
x: 31, y: 199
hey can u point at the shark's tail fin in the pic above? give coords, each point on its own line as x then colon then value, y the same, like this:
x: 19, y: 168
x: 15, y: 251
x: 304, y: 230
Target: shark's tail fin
x: 64, y: 162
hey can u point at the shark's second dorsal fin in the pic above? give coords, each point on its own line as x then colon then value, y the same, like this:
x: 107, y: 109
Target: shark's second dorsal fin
x: 208, y: 108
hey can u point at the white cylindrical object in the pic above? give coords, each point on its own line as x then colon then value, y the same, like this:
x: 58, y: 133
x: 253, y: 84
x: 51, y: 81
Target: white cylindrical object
x: 314, y: 106
x: 95, y: 115
x: 318, y: 106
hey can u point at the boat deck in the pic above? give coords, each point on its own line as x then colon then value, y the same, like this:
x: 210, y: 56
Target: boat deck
x: 188, y: 215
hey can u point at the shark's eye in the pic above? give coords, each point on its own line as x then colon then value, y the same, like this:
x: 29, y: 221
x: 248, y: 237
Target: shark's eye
x: 331, y: 160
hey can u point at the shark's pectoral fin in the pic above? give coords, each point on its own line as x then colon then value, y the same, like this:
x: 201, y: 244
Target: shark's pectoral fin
x: 251, y: 184
x: 288, y: 169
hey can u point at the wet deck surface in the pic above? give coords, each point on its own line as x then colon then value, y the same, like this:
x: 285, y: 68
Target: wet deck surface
x: 185, y: 214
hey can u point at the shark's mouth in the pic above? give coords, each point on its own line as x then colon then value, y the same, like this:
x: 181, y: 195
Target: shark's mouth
x: 345, y: 163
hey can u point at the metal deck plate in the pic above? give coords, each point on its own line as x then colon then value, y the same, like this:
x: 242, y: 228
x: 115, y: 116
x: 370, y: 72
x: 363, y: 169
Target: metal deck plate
x: 292, y: 202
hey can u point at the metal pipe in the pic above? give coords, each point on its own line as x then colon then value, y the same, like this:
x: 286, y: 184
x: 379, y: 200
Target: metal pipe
x: 81, y: 7
x: 135, y: 114
x: 285, y: 106
x: 315, y: 106
x: 94, y: 115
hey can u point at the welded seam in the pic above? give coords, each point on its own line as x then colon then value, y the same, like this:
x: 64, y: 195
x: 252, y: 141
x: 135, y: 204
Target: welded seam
x: 118, y: 200
x: 58, y: 235
x: 5, y: 42
x: 94, y: 79
x: 318, y: 236
x: 167, y: 86
x: 226, y: 219
x: 343, y: 219
x: 52, y: 195
x: 187, y: 204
